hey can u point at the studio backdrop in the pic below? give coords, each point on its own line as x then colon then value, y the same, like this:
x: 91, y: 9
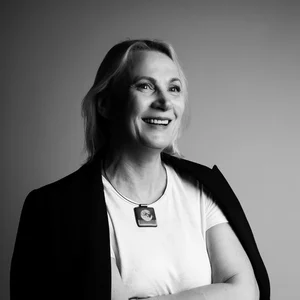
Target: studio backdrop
x: 242, y: 61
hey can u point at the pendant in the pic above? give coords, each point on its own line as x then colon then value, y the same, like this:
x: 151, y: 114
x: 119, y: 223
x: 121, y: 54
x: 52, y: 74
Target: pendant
x: 145, y: 216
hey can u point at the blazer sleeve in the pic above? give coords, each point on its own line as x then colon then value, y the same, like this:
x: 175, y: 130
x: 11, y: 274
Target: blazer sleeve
x: 29, y: 264
x: 238, y: 221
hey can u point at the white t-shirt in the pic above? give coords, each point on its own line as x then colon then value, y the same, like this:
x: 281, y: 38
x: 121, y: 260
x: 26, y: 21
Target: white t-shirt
x: 171, y: 257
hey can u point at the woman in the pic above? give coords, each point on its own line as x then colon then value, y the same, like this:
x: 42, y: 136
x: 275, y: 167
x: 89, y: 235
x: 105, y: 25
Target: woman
x: 136, y: 221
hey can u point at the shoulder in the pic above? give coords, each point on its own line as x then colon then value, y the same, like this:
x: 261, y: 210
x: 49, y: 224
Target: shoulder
x: 182, y: 164
x: 65, y: 183
x: 67, y: 189
x: 200, y: 172
x: 211, y: 179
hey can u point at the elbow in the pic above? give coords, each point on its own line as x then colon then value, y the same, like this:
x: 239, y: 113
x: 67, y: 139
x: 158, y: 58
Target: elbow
x: 249, y: 291
x: 244, y: 288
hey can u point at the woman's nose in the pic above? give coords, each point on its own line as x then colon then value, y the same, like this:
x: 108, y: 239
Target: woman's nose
x: 162, y: 102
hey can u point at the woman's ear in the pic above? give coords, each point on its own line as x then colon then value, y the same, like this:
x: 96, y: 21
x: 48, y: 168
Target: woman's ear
x: 102, y: 107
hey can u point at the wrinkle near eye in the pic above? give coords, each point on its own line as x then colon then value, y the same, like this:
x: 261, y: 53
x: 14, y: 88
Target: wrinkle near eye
x: 145, y: 87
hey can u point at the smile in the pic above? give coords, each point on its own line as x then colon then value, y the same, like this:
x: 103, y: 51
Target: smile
x: 164, y: 122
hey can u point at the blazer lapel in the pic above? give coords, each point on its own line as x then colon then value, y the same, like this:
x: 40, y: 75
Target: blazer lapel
x: 98, y: 276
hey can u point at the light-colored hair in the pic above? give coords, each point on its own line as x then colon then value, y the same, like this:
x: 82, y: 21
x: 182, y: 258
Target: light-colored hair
x: 112, y: 68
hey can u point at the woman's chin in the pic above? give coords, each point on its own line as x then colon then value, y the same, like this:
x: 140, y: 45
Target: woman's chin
x: 157, y: 145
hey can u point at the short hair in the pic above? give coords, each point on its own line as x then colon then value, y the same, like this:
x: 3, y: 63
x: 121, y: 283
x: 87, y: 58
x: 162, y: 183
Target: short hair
x: 113, y: 66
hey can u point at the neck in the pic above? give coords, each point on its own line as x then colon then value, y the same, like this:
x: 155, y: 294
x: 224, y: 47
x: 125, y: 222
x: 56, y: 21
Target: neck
x: 137, y: 175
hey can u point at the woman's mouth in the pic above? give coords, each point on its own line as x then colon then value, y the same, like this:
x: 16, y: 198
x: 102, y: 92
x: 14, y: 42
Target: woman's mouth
x: 152, y: 121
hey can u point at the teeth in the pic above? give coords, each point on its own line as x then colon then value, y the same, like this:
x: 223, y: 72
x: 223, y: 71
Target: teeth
x: 156, y: 121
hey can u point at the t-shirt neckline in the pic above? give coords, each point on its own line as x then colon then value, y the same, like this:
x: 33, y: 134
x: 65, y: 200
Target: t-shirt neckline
x: 108, y: 184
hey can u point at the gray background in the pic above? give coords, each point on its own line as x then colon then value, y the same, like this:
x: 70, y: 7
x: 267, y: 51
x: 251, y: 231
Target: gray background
x: 243, y: 65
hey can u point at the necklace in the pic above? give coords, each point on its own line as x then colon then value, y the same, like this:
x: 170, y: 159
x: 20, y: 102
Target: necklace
x: 144, y: 215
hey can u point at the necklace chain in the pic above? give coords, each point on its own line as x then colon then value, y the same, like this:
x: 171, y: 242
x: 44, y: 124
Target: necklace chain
x: 126, y: 198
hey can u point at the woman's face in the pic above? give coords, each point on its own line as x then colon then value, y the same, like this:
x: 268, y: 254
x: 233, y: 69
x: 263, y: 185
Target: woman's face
x: 155, y: 101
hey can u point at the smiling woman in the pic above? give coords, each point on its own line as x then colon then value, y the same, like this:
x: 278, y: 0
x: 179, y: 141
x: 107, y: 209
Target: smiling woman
x: 124, y: 71
x: 137, y: 220
x: 155, y: 102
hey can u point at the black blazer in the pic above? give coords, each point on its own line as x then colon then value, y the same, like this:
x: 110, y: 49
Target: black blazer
x: 62, y: 246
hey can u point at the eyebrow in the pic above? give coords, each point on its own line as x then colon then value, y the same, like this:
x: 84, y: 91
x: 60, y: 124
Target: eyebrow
x: 153, y: 80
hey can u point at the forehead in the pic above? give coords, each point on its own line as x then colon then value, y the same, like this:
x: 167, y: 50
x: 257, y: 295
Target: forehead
x: 152, y: 63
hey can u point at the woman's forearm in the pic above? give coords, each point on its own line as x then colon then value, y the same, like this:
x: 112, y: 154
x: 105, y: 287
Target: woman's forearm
x: 219, y: 291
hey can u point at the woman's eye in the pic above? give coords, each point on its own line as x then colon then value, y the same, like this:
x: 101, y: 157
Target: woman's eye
x: 144, y: 86
x: 175, y: 89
